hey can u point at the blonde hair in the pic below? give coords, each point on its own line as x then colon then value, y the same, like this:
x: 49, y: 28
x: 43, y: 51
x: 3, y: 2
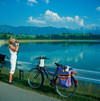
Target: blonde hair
x: 12, y: 40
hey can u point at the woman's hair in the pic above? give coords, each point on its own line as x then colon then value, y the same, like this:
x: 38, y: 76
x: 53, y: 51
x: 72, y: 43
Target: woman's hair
x: 12, y: 40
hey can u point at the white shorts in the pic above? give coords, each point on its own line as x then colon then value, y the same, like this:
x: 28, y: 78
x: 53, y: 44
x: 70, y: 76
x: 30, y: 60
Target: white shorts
x: 13, y: 63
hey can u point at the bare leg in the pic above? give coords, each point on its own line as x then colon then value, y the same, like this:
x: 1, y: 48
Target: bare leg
x: 10, y: 77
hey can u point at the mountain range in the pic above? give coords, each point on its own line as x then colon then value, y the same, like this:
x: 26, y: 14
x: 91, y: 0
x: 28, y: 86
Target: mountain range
x: 33, y: 30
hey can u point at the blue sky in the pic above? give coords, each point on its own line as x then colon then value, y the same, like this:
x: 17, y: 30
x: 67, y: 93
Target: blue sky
x: 57, y: 13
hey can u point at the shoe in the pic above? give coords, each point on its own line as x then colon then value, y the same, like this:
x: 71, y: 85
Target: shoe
x: 11, y: 83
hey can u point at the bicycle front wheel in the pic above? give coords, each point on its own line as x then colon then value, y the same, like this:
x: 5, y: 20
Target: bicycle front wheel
x: 35, y: 78
x: 66, y: 91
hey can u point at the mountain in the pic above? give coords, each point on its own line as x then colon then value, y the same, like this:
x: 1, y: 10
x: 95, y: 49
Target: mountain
x: 32, y: 30
x: 90, y: 29
x: 93, y: 30
x: 47, y: 30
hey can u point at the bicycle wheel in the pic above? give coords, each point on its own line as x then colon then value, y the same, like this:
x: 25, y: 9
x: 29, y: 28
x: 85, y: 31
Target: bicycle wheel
x: 35, y: 78
x: 66, y: 91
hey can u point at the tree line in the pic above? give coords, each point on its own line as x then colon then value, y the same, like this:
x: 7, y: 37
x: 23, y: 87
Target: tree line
x: 66, y: 36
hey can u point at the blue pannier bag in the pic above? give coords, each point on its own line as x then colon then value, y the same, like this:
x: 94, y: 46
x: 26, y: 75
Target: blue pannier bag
x: 64, y: 77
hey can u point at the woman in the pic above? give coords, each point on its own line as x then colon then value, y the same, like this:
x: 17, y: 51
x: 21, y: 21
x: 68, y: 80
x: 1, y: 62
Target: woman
x: 13, y: 52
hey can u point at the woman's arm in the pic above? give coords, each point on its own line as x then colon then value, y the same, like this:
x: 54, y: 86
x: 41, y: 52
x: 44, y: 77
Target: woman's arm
x: 14, y: 48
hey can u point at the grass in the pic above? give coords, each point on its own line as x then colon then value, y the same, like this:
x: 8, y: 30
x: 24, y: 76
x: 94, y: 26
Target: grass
x: 85, y: 91
x: 54, y: 40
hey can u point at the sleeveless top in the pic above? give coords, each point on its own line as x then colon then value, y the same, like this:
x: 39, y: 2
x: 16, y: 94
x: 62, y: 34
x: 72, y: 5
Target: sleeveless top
x: 12, y: 52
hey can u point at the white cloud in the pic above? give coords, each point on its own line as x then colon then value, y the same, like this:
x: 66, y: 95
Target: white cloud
x: 46, y: 1
x: 79, y: 21
x: 34, y: 1
x: 51, y: 17
x: 76, y: 18
x: 70, y: 19
x: 98, y: 8
x: 35, y: 21
x: 85, y: 17
x: 54, y: 17
x: 66, y: 27
x: 31, y: 2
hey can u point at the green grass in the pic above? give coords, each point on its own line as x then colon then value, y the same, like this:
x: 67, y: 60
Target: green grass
x: 85, y: 91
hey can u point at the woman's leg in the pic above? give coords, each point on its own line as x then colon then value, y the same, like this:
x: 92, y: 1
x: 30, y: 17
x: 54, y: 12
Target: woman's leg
x: 12, y: 70
x: 10, y: 77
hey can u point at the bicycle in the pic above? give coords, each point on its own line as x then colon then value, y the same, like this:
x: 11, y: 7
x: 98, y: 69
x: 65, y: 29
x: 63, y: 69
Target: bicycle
x: 36, y: 79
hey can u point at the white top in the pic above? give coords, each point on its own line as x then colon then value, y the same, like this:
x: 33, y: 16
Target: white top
x: 12, y: 52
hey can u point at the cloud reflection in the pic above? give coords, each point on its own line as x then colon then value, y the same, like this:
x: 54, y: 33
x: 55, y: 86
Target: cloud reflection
x: 81, y: 55
x: 69, y: 59
x: 75, y: 58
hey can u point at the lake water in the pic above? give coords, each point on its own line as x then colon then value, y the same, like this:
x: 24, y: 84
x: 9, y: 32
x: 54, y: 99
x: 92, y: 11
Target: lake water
x: 84, y: 55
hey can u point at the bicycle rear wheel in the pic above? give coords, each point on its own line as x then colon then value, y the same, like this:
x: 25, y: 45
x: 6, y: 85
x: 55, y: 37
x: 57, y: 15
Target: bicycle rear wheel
x: 66, y: 91
x: 35, y: 78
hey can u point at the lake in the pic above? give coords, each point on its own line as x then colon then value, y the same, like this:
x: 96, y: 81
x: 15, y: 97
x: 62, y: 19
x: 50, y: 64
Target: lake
x: 80, y: 55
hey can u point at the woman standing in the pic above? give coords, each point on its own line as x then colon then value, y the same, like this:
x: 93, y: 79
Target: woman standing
x: 13, y: 53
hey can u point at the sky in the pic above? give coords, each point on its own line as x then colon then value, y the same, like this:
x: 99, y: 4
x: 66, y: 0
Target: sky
x: 56, y: 13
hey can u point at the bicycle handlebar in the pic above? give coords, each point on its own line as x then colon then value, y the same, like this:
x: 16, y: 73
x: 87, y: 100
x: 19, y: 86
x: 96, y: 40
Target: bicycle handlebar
x: 41, y: 58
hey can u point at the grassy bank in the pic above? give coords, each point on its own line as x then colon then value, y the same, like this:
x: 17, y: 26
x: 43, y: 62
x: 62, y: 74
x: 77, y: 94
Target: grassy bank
x: 85, y: 91
x: 28, y: 41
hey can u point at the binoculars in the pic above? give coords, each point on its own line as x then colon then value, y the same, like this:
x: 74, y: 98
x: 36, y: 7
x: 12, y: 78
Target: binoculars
x: 17, y: 42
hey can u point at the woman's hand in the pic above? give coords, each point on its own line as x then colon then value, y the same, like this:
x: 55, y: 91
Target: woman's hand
x: 14, y: 48
x: 16, y: 43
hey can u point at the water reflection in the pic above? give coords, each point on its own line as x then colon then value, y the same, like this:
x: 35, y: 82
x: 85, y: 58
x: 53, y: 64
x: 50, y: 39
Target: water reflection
x: 76, y: 57
x: 77, y: 54
x: 66, y: 43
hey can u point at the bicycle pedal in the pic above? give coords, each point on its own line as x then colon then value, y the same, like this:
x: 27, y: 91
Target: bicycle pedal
x: 34, y: 85
x: 36, y: 71
x: 57, y: 83
x: 71, y: 86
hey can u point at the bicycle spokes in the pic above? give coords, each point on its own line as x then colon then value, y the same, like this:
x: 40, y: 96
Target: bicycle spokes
x: 37, y: 75
x: 35, y: 78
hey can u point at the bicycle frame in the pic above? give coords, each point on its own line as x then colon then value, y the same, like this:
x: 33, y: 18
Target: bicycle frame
x: 45, y: 70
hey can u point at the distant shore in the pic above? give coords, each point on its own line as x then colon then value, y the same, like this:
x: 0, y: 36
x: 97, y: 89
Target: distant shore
x: 28, y: 41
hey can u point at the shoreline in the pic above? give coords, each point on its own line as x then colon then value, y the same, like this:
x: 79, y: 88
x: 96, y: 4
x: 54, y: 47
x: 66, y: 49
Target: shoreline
x: 85, y: 90
x: 28, y: 41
